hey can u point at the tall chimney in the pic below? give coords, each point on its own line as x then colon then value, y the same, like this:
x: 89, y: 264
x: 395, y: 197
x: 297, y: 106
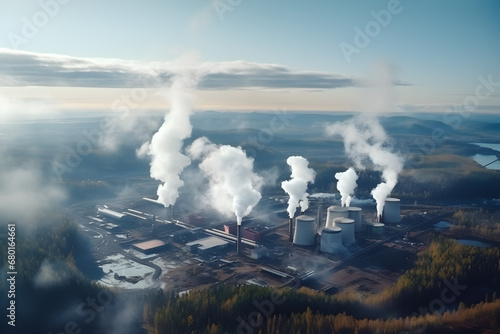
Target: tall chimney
x: 172, y: 212
x: 290, y: 230
x: 238, y: 241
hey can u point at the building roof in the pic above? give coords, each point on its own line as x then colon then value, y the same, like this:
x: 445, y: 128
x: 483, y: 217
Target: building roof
x: 150, y: 244
x: 207, y: 243
x: 111, y: 213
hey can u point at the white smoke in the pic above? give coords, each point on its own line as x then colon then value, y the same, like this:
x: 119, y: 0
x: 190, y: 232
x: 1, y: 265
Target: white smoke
x: 167, y: 160
x: 233, y: 186
x: 297, y: 186
x: 365, y: 141
x: 346, y: 185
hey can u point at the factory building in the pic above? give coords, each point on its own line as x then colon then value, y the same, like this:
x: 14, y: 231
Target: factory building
x: 355, y: 213
x: 392, y: 211
x: 118, y: 216
x: 305, y: 231
x: 347, y: 227
x: 331, y: 239
x: 206, y: 246
x: 150, y: 246
x: 247, y: 233
x: 335, y: 212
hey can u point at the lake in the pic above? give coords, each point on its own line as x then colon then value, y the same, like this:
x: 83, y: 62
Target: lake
x: 486, y: 159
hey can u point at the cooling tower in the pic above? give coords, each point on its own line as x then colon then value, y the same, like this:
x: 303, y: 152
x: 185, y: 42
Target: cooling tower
x: 331, y: 239
x: 378, y: 228
x: 305, y: 231
x: 355, y: 214
x: 347, y: 226
x: 392, y: 212
x: 335, y: 212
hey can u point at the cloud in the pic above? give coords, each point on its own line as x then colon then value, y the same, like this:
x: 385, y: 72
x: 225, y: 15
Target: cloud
x: 51, y: 274
x: 20, y: 68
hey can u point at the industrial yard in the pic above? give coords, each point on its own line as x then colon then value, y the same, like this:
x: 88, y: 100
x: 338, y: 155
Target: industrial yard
x: 140, y: 244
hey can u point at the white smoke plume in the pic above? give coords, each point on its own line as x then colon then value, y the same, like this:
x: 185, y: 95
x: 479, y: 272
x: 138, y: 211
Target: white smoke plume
x: 297, y: 186
x: 233, y: 186
x: 346, y: 185
x: 365, y: 141
x: 167, y: 159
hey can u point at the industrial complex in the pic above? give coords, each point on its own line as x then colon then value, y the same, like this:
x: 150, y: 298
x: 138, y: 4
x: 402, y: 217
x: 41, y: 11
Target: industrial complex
x: 183, y: 250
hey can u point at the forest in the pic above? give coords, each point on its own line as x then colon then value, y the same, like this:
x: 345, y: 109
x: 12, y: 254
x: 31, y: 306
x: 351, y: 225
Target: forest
x: 452, y: 288
x: 52, y: 295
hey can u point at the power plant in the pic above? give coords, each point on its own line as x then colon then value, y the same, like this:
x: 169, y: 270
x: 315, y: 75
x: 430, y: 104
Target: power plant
x: 347, y: 227
x: 392, y: 211
x: 335, y: 212
x: 305, y: 231
x: 355, y: 213
x: 331, y: 240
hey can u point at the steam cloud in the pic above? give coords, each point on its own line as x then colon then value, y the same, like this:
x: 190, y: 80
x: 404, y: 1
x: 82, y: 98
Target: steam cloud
x: 297, y: 186
x: 365, y: 140
x: 167, y: 160
x: 346, y: 185
x: 233, y: 186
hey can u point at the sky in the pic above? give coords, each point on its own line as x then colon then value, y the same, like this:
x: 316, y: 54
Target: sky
x: 249, y: 55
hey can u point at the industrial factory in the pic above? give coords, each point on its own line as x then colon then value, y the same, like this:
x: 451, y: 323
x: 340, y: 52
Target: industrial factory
x: 168, y: 242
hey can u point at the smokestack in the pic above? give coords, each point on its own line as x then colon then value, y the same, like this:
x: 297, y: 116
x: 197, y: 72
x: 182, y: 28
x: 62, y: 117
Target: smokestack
x: 290, y: 230
x: 238, y: 241
x: 172, y: 211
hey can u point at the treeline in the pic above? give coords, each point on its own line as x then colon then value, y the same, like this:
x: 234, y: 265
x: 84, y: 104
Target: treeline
x: 477, y: 223
x: 418, y: 294
x: 439, y: 181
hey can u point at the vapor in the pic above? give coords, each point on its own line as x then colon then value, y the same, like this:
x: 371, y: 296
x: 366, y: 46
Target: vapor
x: 346, y: 185
x: 296, y: 187
x: 167, y: 159
x: 234, y: 188
x: 365, y: 140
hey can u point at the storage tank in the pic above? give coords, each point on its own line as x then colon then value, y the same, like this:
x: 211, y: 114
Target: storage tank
x: 331, y: 239
x: 378, y: 228
x: 355, y: 213
x: 392, y: 211
x: 305, y: 231
x: 347, y: 226
x: 335, y: 212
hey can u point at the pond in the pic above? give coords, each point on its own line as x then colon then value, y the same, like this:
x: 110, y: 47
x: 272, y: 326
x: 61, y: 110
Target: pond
x: 486, y: 159
x: 468, y: 242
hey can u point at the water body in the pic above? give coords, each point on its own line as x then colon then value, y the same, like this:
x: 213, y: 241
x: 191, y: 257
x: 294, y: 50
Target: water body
x: 485, y: 159
x: 476, y: 243
x: 442, y: 225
